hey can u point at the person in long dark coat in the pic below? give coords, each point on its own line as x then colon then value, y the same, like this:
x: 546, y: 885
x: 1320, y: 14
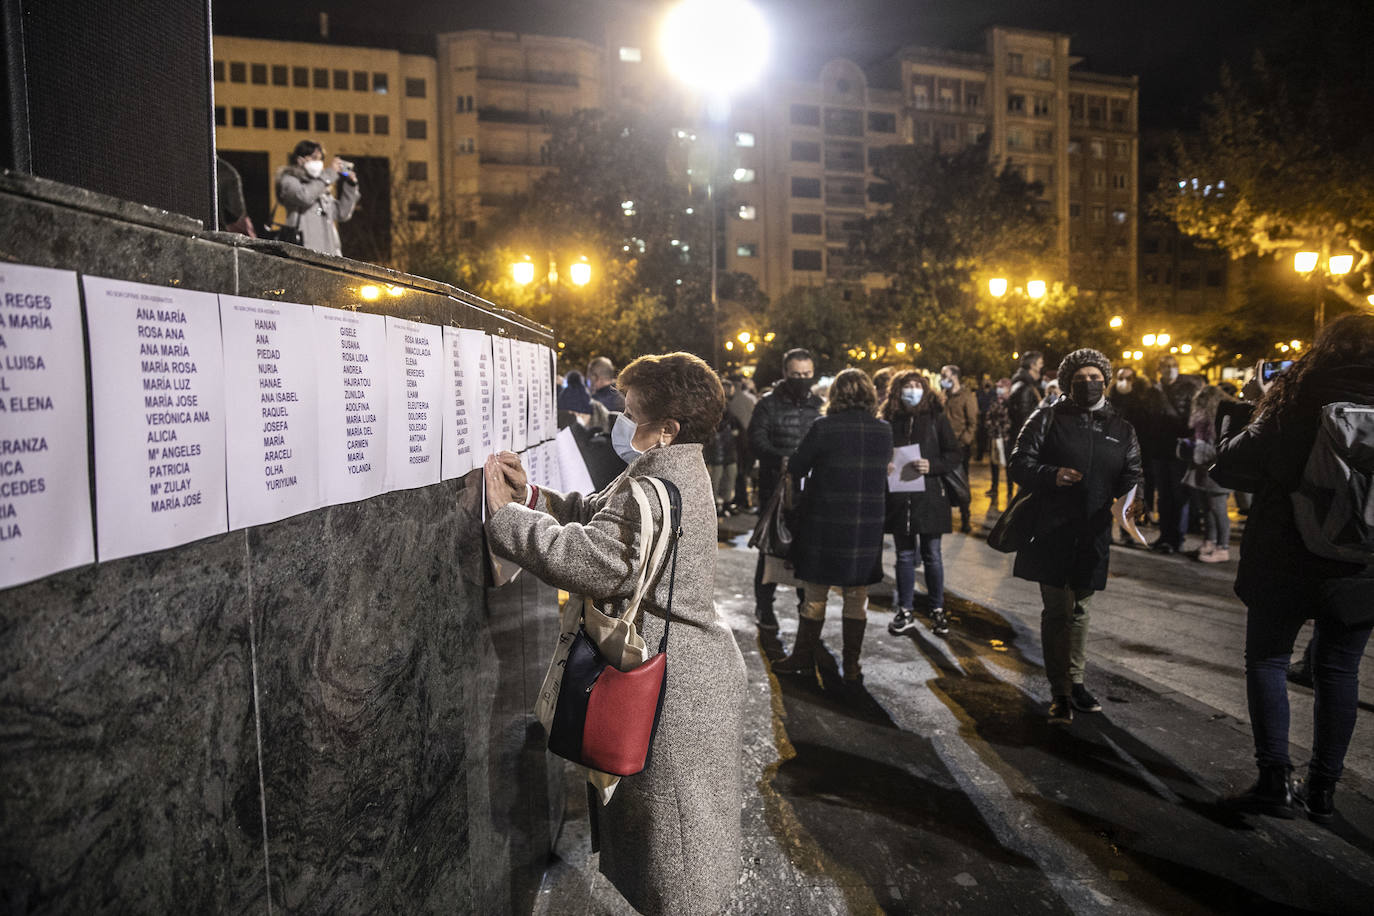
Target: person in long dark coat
x: 920, y: 518
x: 841, y: 464
x: 1283, y: 584
x: 1075, y: 456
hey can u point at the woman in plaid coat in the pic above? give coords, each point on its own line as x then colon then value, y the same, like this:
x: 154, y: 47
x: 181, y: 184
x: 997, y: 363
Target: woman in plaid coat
x: 838, y: 542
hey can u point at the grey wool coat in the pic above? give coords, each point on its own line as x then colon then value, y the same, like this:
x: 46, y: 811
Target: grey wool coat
x: 671, y: 835
x: 313, y: 209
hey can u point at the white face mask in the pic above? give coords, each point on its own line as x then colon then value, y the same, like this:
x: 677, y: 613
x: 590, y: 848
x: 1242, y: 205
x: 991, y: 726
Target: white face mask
x: 1169, y: 375
x: 622, y: 439
x: 314, y: 167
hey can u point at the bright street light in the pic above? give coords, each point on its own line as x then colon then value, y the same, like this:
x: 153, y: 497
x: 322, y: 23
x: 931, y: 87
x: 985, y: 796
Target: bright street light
x: 1338, y: 265
x: 1137, y: 355
x: 716, y: 46
x: 1149, y: 340
x: 1116, y: 322
x: 1304, y: 262
x: 1163, y: 340
x: 900, y: 346
x: 370, y: 292
x: 580, y: 272
x: 744, y: 337
x: 523, y: 272
x: 1036, y: 289
x: 1186, y: 348
x: 998, y: 286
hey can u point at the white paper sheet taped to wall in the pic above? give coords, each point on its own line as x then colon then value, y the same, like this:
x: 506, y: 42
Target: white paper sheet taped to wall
x: 45, y: 505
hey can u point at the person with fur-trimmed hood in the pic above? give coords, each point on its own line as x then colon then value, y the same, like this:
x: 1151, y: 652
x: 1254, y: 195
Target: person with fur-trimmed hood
x: 1075, y: 457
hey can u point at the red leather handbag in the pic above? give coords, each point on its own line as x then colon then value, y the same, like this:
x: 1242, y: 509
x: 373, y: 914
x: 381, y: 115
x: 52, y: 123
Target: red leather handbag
x: 606, y: 718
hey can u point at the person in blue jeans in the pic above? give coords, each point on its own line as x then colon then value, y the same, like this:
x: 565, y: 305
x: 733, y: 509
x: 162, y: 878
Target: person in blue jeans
x: 920, y: 519
x: 1283, y: 584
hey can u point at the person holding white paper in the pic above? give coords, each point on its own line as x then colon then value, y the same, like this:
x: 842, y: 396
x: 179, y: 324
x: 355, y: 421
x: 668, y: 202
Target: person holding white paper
x: 919, y: 518
x: 1073, y: 458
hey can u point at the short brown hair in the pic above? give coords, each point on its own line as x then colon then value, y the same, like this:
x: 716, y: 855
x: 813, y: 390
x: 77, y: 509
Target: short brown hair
x: 852, y: 388
x: 677, y: 386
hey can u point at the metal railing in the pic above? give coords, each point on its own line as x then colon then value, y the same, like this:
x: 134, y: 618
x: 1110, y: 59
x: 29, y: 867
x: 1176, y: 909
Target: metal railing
x: 519, y: 75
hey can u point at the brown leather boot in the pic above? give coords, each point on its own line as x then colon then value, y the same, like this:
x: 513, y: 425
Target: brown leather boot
x: 802, y: 658
x: 853, y: 642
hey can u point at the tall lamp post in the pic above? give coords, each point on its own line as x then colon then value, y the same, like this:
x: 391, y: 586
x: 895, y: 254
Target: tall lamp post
x: 716, y: 48
x: 579, y: 272
x: 1309, y: 264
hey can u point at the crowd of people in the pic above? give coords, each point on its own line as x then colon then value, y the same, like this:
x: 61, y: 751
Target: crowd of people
x: 864, y: 457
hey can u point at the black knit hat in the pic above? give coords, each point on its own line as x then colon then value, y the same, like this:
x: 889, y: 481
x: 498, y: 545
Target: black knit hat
x: 1076, y: 360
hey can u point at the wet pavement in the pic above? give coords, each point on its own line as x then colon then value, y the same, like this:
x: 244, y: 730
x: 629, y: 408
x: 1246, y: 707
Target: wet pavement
x: 938, y: 786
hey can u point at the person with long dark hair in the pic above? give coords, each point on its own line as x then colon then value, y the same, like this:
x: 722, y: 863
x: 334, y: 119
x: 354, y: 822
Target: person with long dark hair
x: 919, y: 519
x: 1283, y: 584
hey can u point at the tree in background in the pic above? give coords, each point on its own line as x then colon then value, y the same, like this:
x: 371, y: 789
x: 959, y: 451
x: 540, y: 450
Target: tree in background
x: 1276, y: 169
x: 954, y: 222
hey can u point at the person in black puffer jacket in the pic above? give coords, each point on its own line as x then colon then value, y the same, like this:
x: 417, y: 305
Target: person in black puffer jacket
x: 1283, y: 584
x: 781, y: 420
x: 1076, y: 456
x: 913, y: 518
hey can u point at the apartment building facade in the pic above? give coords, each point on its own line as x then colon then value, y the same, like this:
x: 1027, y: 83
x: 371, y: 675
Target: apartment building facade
x: 499, y: 95
x: 372, y: 106
x: 1072, y: 132
x: 800, y: 178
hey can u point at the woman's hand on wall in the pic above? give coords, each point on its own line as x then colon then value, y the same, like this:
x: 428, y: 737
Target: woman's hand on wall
x: 515, y: 472
x: 499, y: 490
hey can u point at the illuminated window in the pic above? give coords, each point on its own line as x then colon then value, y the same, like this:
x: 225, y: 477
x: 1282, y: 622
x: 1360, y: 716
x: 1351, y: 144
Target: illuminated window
x: 744, y: 138
x: 747, y: 250
x: 631, y: 55
x: 748, y: 211
x: 743, y: 175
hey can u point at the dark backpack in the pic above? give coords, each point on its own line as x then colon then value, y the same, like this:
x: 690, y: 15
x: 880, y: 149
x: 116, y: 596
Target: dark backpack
x: 1334, y: 502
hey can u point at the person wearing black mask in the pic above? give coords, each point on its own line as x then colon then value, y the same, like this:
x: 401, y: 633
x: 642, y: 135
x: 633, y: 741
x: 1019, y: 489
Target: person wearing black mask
x: 1076, y: 457
x: 781, y: 420
x: 1168, y: 406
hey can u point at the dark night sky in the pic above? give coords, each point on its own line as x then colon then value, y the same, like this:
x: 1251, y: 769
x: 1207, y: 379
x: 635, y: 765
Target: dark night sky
x: 1175, y: 46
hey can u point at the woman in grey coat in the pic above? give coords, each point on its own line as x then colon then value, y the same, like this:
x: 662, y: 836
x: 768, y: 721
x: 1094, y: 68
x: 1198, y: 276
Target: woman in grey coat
x: 304, y: 191
x: 670, y: 838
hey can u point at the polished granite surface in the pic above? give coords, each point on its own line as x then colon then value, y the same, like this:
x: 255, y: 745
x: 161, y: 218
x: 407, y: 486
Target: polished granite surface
x: 347, y: 673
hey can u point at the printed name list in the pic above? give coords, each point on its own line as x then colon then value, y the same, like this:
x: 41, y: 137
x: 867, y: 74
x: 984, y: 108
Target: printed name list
x: 415, y: 357
x: 157, y: 378
x: 350, y: 358
x: 271, y: 405
x: 45, y: 508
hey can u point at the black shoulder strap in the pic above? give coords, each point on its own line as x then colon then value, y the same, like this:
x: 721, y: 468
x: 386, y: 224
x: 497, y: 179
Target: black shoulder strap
x: 674, y: 527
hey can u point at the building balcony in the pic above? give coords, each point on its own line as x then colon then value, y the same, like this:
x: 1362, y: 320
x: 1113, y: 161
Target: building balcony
x: 848, y: 201
x: 516, y: 75
x: 514, y: 116
x: 521, y: 159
